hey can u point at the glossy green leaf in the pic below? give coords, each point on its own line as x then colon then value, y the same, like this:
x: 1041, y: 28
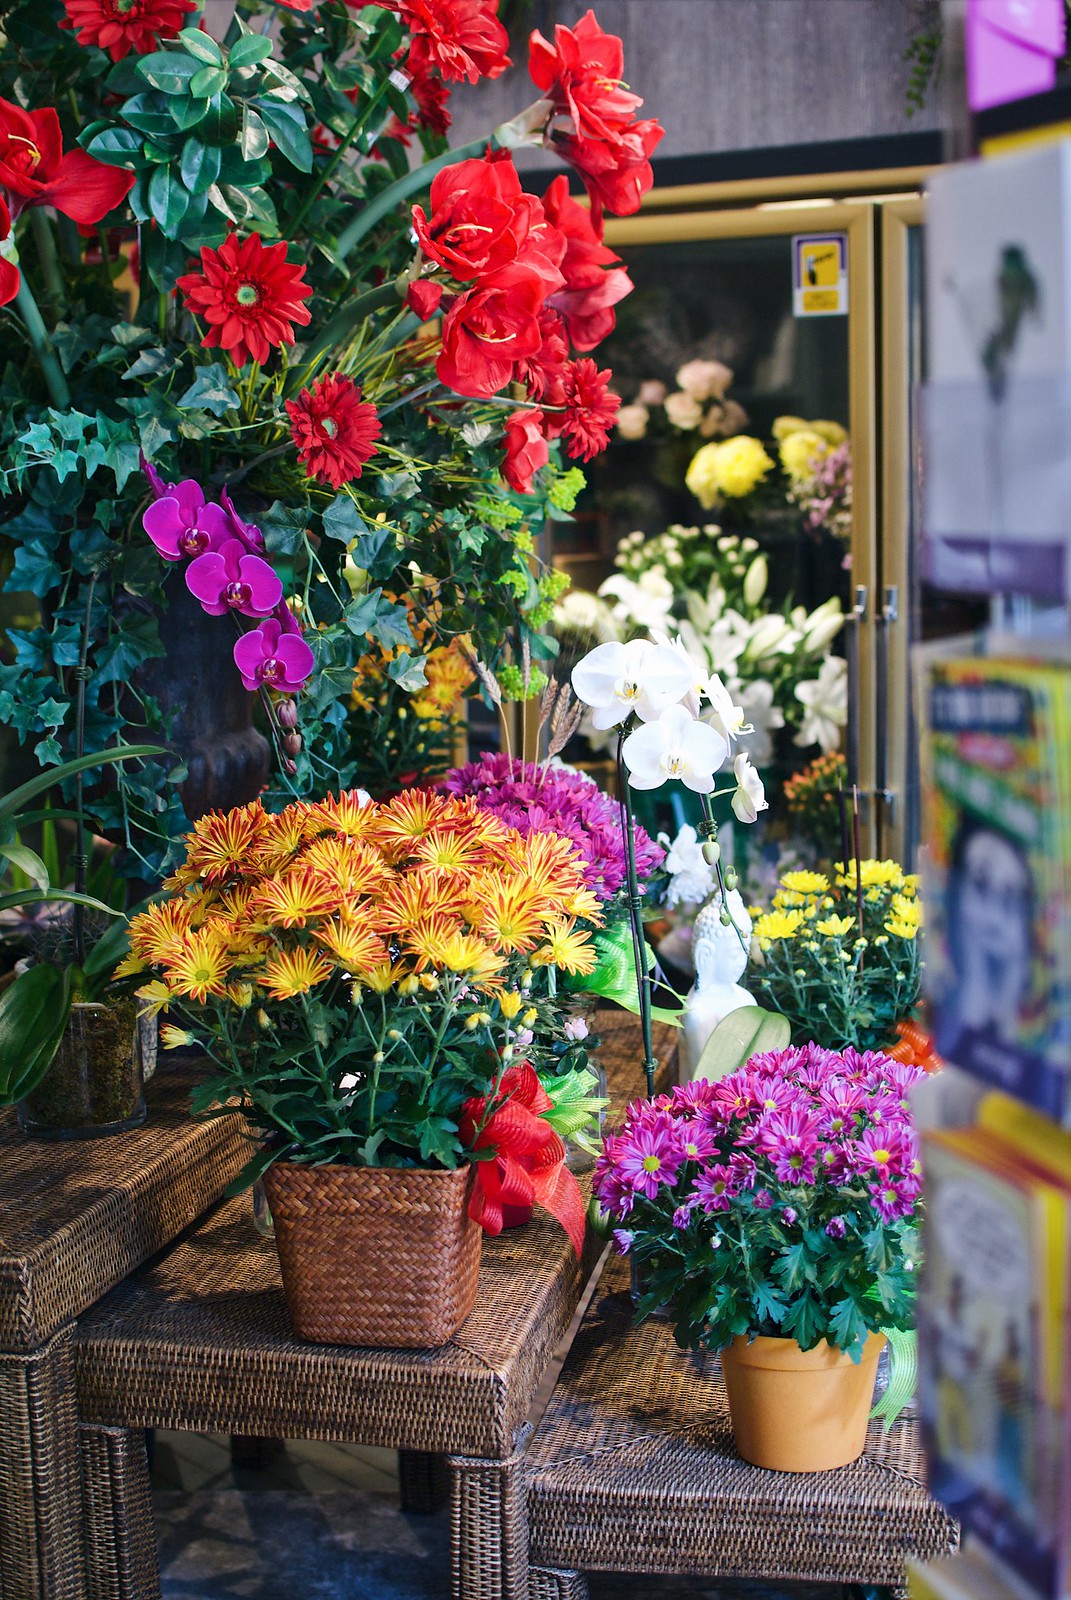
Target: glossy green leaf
x: 117, y: 147
x: 27, y: 861
x: 220, y: 122
x: 207, y: 82
x: 250, y: 49
x: 33, y: 1015
x: 286, y: 124
x: 739, y: 1036
x: 201, y: 45
x: 187, y: 113
x: 254, y: 140
x: 200, y: 165
x: 168, y: 199
x: 12, y: 803
x: 170, y: 71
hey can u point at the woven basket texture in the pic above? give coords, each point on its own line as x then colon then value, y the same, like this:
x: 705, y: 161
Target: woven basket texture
x: 76, y: 1218
x: 633, y: 1469
x: 385, y: 1256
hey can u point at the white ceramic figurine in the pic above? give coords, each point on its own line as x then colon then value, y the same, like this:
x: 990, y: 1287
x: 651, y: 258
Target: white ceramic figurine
x: 721, y: 958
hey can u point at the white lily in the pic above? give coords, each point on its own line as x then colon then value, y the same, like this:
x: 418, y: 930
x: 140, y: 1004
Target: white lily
x: 691, y: 877
x: 755, y: 580
x: 725, y: 716
x: 757, y: 700
x: 645, y: 603
x: 618, y: 679
x: 750, y: 796
x: 822, y: 627
x: 676, y: 746
x: 825, y: 702
x: 771, y: 635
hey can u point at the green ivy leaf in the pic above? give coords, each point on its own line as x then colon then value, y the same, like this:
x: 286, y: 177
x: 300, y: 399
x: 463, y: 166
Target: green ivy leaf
x: 342, y: 520
x: 405, y: 670
x: 391, y: 628
x: 209, y: 391
x: 151, y: 364
x: 283, y: 527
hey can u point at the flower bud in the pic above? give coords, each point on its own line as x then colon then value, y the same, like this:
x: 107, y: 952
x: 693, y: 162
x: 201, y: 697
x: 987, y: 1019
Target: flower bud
x: 730, y: 878
x: 292, y: 744
x: 712, y: 852
x: 286, y: 712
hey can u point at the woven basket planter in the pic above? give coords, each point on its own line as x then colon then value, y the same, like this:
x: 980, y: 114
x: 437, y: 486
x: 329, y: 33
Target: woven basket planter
x: 383, y: 1256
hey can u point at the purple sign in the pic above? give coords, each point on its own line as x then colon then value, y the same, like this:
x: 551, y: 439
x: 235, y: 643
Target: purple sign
x: 1012, y: 49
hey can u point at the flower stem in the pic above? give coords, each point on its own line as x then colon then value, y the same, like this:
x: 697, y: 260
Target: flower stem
x: 43, y: 347
x: 639, y: 951
x: 47, y: 259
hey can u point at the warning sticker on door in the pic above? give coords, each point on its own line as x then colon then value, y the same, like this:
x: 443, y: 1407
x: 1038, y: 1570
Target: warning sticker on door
x: 820, y: 274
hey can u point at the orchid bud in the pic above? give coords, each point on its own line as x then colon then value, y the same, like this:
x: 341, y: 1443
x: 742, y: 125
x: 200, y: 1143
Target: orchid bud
x: 286, y: 712
x: 292, y: 744
x: 289, y: 767
x: 731, y: 878
x: 712, y: 852
x: 724, y: 918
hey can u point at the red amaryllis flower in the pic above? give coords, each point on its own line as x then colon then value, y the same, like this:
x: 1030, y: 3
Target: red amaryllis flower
x: 463, y: 38
x: 120, y: 26
x: 594, y: 125
x: 543, y: 374
x: 334, y: 429
x: 595, y: 280
x: 9, y: 271
x: 35, y: 171
x: 250, y: 296
x: 424, y: 297
x: 590, y: 409
x: 488, y: 330
x: 480, y: 217
x: 526, y: 450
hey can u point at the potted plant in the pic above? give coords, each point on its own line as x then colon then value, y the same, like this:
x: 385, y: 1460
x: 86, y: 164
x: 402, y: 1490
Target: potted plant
x: 70, y: 1055
x: 775, y: 1212
x: 367, y: 979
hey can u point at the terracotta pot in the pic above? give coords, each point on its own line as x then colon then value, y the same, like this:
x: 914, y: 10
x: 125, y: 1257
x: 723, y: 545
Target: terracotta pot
x: 384, y: 1256
x: 799, y: 1410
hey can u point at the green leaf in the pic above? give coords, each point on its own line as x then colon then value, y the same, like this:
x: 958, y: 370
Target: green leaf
x: 377, y: 552
x: 770, y: 1306
x: 151, y: 364
x: 254, y: 140
x: 168, y: 200
x: 249, y: 50
x: 794, y: 1268
x: 286, y: 124
x: 27, y: 861
x: 13, y: 802
x: 33, y: 1015
x: 170, y: 71
x: 405, y: 670
x: 202, y: 45
x: 118, y: 147
x: 220, y: 122
x: 847, y: 1327
x: 342, y: 520
x: 189, y: 113
x: 200, y: 165
x: 290, y: 88
x: 738, y: 1036
x: 209, y: 391
x: 284, y: 527
x: 207, y: 82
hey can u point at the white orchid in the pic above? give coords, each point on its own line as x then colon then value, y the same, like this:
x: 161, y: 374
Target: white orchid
x: 694, y: 660
x: 825, y: 703
x: 725, y: 716
x: 676, y: 746
x: 618, y: 679
x: 750, y: 796
x: 757, y: 700
x: 691, y: 877
x: 645, y: 603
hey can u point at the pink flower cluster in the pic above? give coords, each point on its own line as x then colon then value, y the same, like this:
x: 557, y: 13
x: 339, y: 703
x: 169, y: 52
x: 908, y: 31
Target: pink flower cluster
x: 826, y: 499
x: 227, y: 572
x: 794, y: 1126
x: 535, y: 799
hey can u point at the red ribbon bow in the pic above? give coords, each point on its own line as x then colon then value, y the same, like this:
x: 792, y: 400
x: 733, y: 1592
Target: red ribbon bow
x: 528, y: 1166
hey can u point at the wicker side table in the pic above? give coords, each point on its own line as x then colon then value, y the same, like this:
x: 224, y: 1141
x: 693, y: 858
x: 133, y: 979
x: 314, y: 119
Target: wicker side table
x: 632, y: 1469
x: 201, y: 1340
x: 75, y: 1219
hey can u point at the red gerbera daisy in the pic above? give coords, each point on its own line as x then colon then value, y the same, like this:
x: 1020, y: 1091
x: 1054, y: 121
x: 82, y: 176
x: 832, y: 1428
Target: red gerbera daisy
x: 120, y: 26
x: 334, y: 429
x: 250, y: 296
x: 590, y: 409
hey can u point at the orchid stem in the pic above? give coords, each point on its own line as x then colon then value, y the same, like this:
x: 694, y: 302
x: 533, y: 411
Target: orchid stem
x: 635, y: 917
x: 44, y: 349
x: 710, y: 831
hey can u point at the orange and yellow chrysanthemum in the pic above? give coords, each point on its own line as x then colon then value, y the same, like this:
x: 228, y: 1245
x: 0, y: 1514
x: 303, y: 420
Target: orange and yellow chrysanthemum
x: 294, y: 972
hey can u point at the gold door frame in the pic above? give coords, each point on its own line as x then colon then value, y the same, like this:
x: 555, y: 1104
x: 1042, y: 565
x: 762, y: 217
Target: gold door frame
x: 857, y: 220
x: 898, y: 217
x: 802, y: 189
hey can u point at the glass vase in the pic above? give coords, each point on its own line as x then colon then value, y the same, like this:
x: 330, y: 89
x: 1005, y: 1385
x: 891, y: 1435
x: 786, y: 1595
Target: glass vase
x: 94, y: 1085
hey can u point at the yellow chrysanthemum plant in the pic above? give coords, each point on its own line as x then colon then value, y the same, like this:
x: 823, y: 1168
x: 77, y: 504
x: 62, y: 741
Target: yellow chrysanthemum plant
x: 357, y: 971
x: 841, y: 953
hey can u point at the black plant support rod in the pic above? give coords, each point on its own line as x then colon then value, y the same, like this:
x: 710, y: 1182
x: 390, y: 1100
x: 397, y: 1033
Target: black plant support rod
x: 635, y: 917
x: 81, y: 859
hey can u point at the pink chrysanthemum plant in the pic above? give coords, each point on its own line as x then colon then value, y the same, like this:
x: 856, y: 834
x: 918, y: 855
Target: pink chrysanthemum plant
x: 781, y: 1201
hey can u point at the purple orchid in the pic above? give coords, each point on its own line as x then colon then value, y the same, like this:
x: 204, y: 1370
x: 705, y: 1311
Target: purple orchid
x: 249, y: 535
x: 156, y: 483
x: 272, y: 656
x: 230, y: 579
x: 182, y: 523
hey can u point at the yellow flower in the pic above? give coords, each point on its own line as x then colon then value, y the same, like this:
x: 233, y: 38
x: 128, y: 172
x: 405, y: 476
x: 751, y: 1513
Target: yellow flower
x: 510, y: 1004
x: 155, y: 996
x: 294, y: 899
x: 240, y: 994
x: 777, y: 925
x: 806, y: 882
x: 356, y: 949
x: 448, y: 675
x: 294, y: 972
x: 512, y: 914
x: 568, y: 949
x: 783, y: 426
x: 835, y: 927
x: 221, y: 843
x: 872, y: 874
x: 905, y: 909
x: 902, y: 929
x: 732, y: 468
x: 200, y: 967
x: 801, y: 452
x: 347, y: 814
x: 832, y: 432
x: 173, y: 1038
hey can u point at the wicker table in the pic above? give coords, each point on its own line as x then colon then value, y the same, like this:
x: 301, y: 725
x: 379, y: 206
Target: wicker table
x: 75, y: 1219
x: 201, y: 1341
x: 632, y: 1469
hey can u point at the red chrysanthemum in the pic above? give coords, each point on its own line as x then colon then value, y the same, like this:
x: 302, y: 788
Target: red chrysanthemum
x: 334, y: 429
x: 250, y: 296
x: 120, y: 26
x: 590, y: 409
x: 462, y: 38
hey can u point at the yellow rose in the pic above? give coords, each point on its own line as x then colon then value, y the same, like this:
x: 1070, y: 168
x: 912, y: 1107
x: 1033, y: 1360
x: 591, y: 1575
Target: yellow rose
x: 702, y: 476
x: 800, y: 453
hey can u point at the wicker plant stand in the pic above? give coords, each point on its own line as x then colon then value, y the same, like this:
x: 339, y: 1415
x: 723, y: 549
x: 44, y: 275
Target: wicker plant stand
x: 201, y: 1340
x: 632, y: 1469
x: 75, y: 1219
